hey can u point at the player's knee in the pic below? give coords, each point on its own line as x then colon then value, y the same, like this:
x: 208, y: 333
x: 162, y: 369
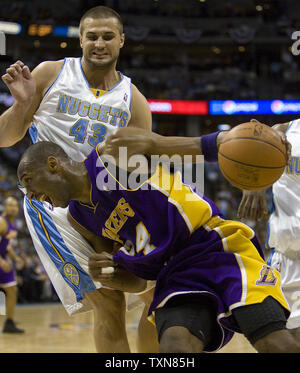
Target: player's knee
x: 179, y: 340
x: 280, y: 341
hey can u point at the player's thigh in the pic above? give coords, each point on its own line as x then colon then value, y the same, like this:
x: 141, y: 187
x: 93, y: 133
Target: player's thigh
x: 107, y: 301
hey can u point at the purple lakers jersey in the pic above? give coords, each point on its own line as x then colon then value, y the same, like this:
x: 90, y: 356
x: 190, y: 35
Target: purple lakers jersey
x: 4, y: 240
x: 152, y: 222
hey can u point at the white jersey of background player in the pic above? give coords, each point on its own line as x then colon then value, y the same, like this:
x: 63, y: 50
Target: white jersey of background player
x: 77, y: 103
x: 283, y: 235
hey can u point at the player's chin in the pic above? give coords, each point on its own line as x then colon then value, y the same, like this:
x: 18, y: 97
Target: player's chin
x: 102, y: 62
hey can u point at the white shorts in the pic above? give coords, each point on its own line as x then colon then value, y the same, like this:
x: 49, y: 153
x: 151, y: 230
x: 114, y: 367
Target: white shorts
x: 63, y: 252
x: 290, y: 283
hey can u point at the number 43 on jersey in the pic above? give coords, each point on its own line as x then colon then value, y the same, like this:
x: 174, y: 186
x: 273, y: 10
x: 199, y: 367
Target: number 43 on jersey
x: 79, y: 131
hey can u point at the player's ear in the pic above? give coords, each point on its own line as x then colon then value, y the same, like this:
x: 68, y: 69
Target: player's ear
x: 122, y: 41
x: 80, y: 41
x: 52, y: 164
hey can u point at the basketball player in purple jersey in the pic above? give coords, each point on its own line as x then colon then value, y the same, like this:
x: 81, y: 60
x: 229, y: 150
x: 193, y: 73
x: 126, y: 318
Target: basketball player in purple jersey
x: 211, y: 278
x: 77, y: 103
x: 8, y: 282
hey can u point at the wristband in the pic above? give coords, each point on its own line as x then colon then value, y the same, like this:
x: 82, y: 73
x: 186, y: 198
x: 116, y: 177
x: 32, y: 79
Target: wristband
x: 209, y: 146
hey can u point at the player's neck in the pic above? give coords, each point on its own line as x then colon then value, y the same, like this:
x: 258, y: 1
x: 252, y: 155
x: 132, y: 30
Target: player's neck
x: 100, y: 78
x: 80, y: 182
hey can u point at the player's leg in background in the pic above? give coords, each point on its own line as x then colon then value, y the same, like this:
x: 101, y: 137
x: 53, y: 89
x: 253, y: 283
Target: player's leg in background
x: 147, y: 341
x: 10, y: 305
x: 109, y: 308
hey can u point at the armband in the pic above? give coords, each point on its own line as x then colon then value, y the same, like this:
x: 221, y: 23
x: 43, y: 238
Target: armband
x: 209, y: 146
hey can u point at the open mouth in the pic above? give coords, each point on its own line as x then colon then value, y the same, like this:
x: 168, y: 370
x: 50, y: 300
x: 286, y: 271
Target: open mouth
x: 100, y: 55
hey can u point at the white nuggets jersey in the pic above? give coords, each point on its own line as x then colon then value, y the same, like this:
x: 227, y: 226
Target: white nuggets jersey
x: 284, y: 222
x: 77, y: 117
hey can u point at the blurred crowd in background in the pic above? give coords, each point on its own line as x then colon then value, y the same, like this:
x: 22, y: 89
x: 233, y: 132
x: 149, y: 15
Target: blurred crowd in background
x: 175, y: 49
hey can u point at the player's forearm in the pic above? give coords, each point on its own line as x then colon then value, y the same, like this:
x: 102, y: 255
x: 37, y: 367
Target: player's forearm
x: 184, y: 145
x: 12, y: 124
x: 176, y: 145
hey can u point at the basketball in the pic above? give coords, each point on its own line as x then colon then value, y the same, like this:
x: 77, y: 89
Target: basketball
x: 252, y: 156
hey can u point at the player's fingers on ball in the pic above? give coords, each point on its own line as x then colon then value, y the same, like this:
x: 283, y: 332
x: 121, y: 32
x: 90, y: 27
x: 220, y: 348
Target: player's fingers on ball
x: 20, y: 63
x: 264, y: 207
x: 289, y: 151
x: 244, y: 208
x: 254, y: 212
x: 247, y: 209
x: 241, y: 206
x: 241, y: 209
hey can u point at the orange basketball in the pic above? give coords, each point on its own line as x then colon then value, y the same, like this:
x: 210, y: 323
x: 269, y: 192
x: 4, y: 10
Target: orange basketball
x: 252, y: 156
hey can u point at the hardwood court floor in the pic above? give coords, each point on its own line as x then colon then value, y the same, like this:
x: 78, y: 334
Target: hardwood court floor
x: 48, y: 329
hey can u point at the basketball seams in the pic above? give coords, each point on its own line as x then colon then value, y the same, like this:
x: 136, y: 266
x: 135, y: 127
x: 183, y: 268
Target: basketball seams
x: 251, y: 165
x: 252, y: 139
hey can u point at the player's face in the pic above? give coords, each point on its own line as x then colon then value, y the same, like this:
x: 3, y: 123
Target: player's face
x: 11, y: 207
x: 101, y: 41
x: 43, y: 185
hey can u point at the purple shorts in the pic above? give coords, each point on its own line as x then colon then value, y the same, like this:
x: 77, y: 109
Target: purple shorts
x: 223, y: 261
x: 7, y: 279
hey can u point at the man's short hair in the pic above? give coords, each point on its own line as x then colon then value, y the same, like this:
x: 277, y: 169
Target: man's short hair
x: 101, y: 12
x: 36, y: 155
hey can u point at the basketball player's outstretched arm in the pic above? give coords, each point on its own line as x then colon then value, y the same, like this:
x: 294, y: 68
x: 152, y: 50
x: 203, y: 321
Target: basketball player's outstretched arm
x: 138, y: 141
x: 27, y: 88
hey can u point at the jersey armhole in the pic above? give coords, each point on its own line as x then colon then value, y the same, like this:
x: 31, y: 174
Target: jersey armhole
x: 289, y: 127
x: 49, y: 88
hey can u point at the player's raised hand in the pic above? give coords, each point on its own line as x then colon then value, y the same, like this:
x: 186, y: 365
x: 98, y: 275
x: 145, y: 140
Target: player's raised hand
x: 253, y: 205
x: 20, y: 82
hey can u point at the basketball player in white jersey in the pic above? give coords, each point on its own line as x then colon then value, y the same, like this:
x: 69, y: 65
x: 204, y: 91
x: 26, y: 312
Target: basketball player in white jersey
x: 77, y: 103
x: 284, y: 222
